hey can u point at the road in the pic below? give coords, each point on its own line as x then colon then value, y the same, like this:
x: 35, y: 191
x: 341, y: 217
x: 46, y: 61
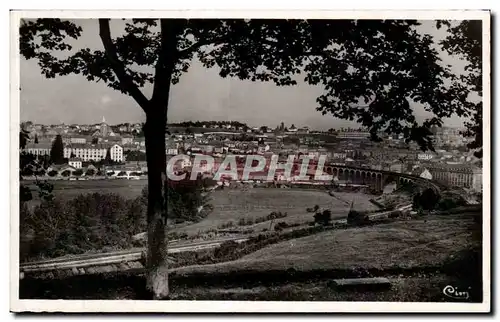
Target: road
x: 87, y: 260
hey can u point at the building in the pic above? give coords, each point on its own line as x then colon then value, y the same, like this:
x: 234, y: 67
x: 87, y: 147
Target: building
x: 104, y: 129
x: 127, y: 139
x: 77, y: 139
x: 339, y: 155
x: 172, y: 151
x: 426, y: 174
x: 353, y: 135
x: 396, y: 167
x: 86, y: 152
x: 458, y: 175
x: 38, y: 149
x: 116, y: 153
x: 425, y: 156
x: 75, y: 163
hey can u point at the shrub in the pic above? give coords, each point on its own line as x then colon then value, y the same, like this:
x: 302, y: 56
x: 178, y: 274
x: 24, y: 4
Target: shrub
x: 90, y: 172
x: 78, y: 172
x: 52, y: 173
x: 27, y: 171
x: 450, y: 203
x: 228, y: 224
x: 87, y: 222
x: 323, y: 218
x: 66, y: 173
x: 281, y: 225
x: 245, y: 222
x: 395, y: 214
x: 427, y: 200
x: 357, y: 218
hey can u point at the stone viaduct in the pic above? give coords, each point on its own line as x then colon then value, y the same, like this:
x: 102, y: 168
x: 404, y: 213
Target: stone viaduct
x: 377, y: 179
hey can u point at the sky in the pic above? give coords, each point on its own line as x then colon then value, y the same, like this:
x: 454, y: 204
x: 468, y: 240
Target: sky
x: 201, y: 94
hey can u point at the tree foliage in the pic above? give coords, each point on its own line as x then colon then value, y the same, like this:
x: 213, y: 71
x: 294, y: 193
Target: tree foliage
x: 87, y: 222
x: 427, y: 200
x: 371, y: 70
x: 465, y: 40
x: 23, y: 138
x: 57, y: 151
x: 323, y: 217
x: 186, y: 199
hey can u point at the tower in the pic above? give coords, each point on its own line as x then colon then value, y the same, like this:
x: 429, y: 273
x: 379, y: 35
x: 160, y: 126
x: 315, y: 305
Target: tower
x: 104, y: 127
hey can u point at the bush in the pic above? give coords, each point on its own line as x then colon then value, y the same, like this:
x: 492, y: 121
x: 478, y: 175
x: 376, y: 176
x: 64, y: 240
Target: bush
x: 314, y: 209
x: 52, y: 173
x: 90, y: 172
x: 396, y: 214
x: 323, y: 218
x: 87, y: 222
x: 245, y: 222
x: 66, y: 173
x: 427, y: 200
x: 282, y: 225
x: 78, y: 172
x: 357, y: 218
x: 450, y: 203
x: 228, y: 224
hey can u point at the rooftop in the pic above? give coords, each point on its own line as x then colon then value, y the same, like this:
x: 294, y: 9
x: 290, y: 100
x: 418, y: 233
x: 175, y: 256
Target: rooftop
x: 42, y: 145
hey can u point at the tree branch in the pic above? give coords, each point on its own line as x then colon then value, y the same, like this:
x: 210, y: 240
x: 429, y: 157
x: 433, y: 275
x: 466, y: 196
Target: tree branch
x: 118, y: 67
x: 203, y: 42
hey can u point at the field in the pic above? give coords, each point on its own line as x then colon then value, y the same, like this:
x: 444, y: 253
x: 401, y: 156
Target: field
x: 401, y: 244
x: 232, y: 205
x: 229, y: 204
x: 65, y: 189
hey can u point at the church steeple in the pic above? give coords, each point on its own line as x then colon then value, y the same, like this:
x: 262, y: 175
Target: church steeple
x: 103, y: 119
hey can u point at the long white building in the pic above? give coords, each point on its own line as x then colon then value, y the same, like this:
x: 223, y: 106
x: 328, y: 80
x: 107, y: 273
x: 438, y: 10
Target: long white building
x: 94, y: 152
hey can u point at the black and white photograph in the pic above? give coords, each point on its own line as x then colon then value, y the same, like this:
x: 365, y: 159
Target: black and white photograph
x: 250, y: 162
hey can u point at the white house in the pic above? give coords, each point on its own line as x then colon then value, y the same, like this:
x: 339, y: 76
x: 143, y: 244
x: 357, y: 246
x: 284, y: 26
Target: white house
x: 186, y: 162
x: 425, y: 156
x: 75, y: 163
x: 127, y: 139
x: 426, y: 174
x: 172, y: 151
x: 116, y: 153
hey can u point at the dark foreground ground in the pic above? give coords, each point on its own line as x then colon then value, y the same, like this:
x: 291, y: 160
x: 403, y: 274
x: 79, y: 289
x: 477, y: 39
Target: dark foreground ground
x: 422, y: 284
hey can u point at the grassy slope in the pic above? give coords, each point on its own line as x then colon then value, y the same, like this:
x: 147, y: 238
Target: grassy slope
x: 265, y: 275
x: 403, y: 244
x: 66, y: 189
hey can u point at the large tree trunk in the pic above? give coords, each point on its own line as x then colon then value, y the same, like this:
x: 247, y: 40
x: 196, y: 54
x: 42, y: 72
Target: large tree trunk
x: 157, y: 266
x: 154, y: 131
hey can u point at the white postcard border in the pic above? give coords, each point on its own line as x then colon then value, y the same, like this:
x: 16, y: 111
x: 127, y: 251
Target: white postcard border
x: 17, y: 305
